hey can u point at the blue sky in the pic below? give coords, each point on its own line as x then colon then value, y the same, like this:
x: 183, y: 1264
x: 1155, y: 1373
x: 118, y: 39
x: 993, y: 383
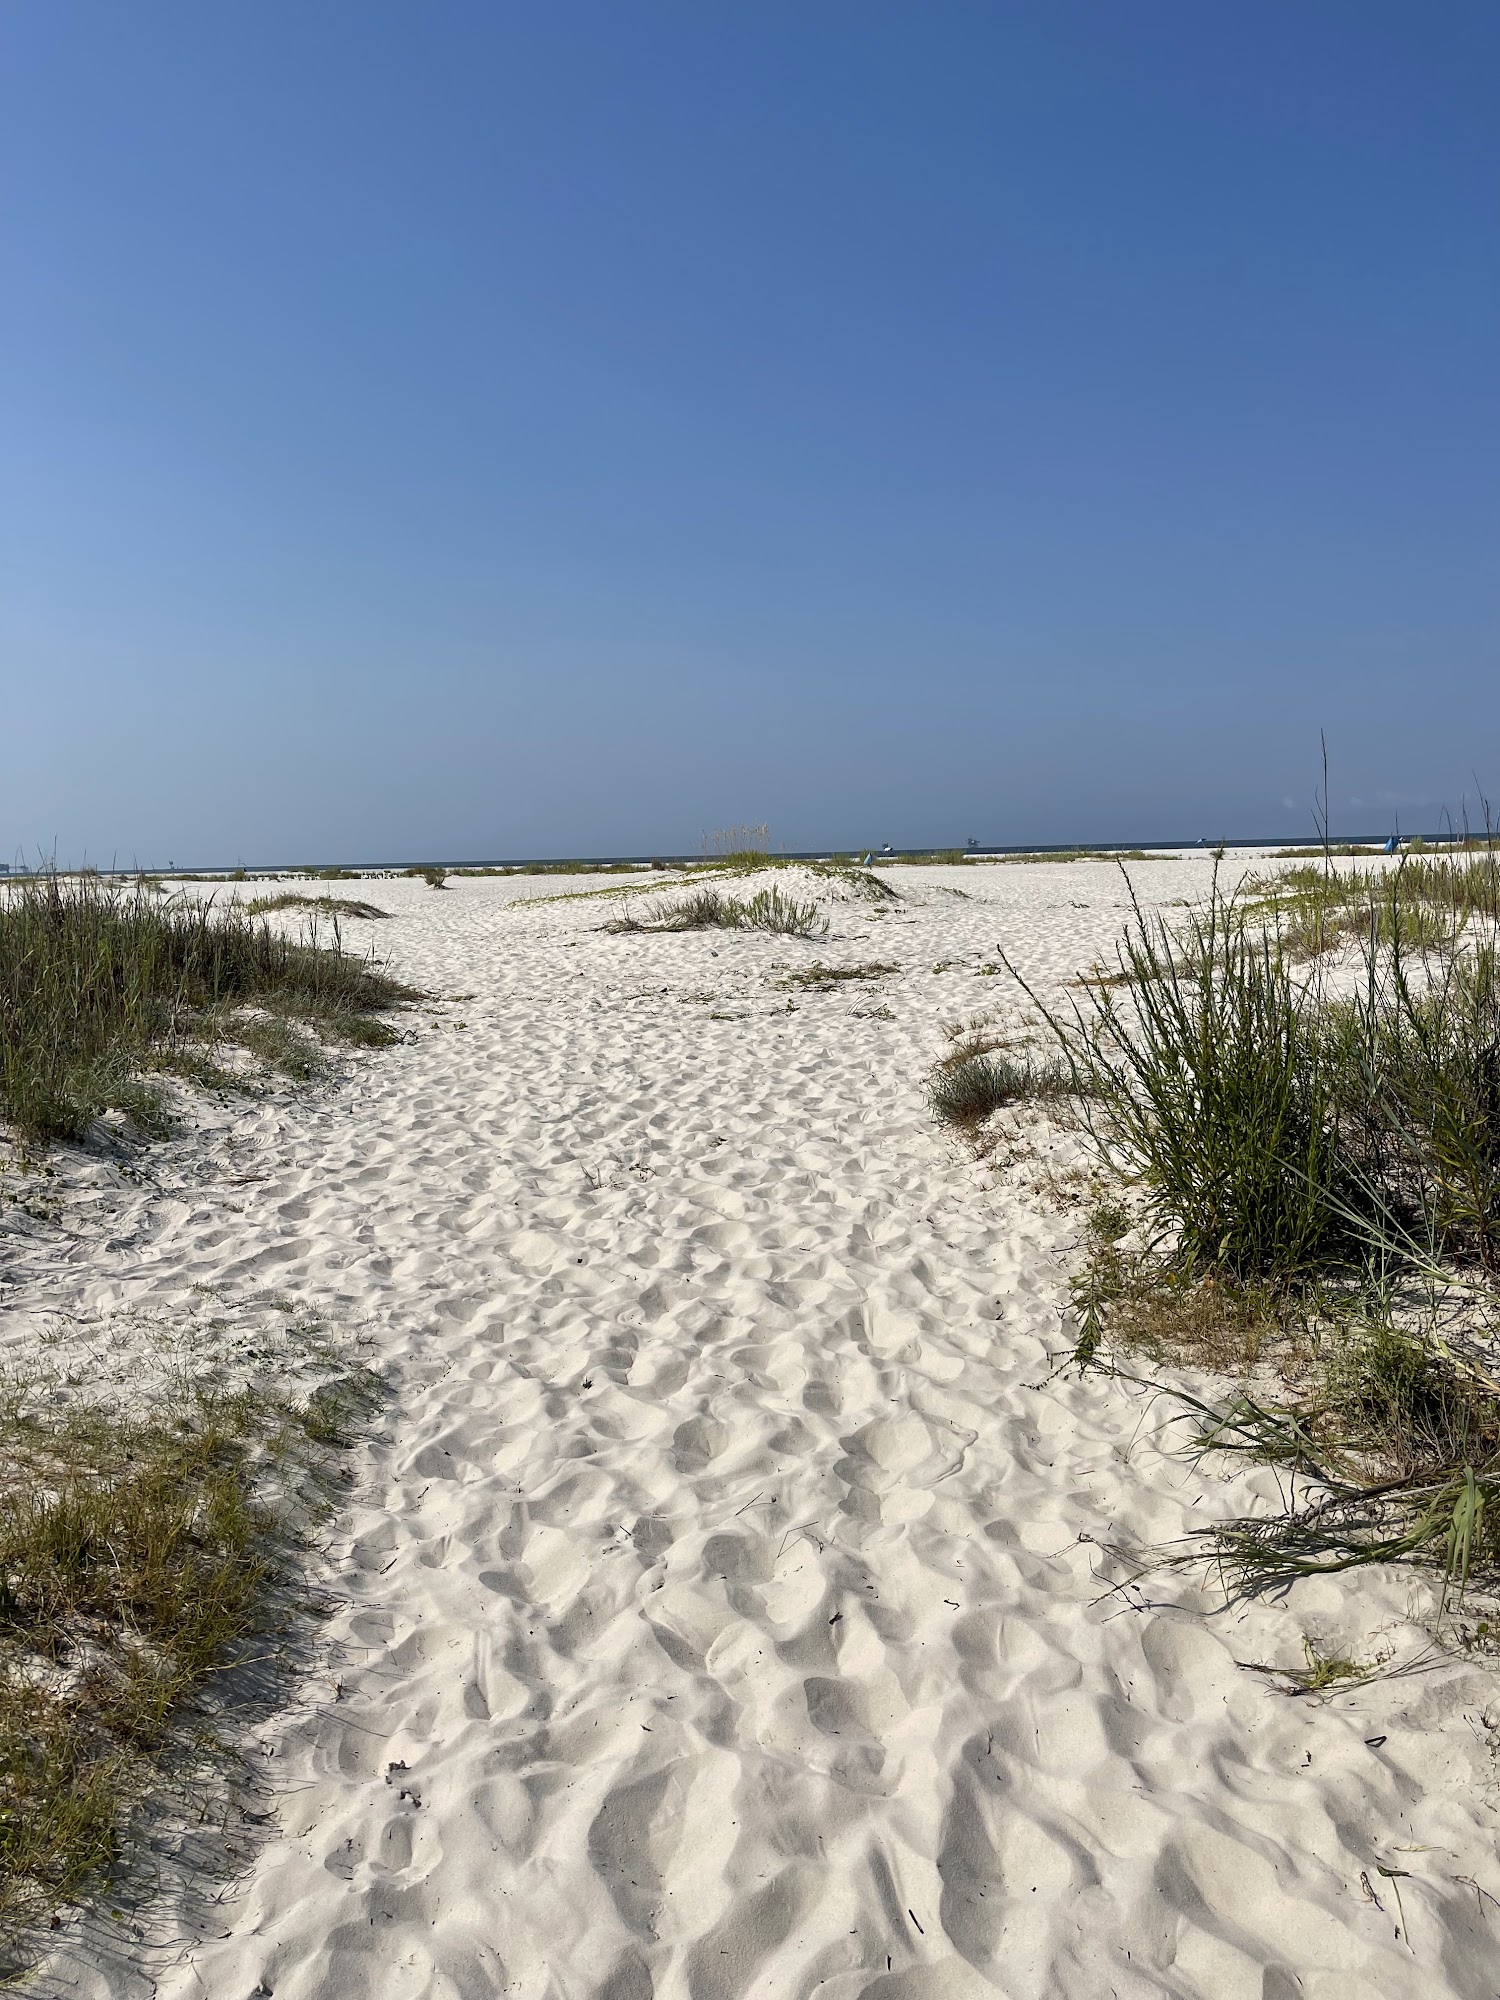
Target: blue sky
x: 471, y: 429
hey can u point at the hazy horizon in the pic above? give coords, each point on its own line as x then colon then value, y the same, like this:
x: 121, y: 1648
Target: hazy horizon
x: 488, y: 431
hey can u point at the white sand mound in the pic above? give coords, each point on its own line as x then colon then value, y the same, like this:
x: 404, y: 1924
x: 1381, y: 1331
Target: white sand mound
x: 723, y: 1606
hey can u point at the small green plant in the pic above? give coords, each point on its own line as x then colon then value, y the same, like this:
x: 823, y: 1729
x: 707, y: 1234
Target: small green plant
x: 431, y: 874
x: 968, y: 1088
x: 769, y: 910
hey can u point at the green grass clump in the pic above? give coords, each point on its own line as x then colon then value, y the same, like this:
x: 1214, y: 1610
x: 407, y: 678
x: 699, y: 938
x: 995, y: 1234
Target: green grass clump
x: 99, y: 983
x: 1207, y: 1087
x: 1343, y: 850
x: 1416, y: 1057
x: 969, y: 1087
x: 1397, y: 1447
x: 710, y: 909
x: 784, y: 916
x: 431, y: 874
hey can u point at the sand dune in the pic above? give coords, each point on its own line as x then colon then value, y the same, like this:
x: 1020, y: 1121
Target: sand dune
x: 724, y: 1604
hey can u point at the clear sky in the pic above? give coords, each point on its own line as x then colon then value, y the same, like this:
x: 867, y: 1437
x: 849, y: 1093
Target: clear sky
x: 475, y: 429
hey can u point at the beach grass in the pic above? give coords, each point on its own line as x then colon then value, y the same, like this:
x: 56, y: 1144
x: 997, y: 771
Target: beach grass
x: 709, y: 909
x: 1425, y: 901
x: 320, y: 906
x: 972, y: 1084
x: 100, y: 985
x: 820, y: 978
x: 1309, y: 1192
x: 140, y: 1558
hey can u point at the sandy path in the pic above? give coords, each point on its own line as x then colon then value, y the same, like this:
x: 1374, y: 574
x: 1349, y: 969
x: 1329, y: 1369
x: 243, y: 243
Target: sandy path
x: 722, y: 1607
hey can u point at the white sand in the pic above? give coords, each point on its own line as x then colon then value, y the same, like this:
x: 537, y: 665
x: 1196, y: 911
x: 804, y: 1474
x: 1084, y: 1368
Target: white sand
x: 722, y: 1604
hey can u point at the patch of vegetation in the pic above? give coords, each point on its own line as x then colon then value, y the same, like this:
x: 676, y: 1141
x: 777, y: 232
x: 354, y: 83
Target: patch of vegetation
x: 561, y: 868
x: 278, y: 1043
x: 709, y: 909
x: 1427, y: 904
x: 1085, y: 854
x: 737, y: 846
x: 321, y: 906
x: 1311, y: 1185
x: 1325, y: 1673
x: 138, y: 1560
x: 820, y: 978
x: 100, y: 983
x: 874, y: 888
x: 431, y: 874
x: 1210, y: 1090
x: 1344, y: 850
x: 1397, y: 1462
x: 973, y: 1084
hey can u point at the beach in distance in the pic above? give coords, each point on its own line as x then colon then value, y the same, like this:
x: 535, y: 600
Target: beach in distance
x: 750, y: 1574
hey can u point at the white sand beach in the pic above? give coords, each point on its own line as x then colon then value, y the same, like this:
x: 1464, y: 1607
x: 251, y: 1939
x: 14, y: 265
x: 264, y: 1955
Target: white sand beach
x: 724, y: 1603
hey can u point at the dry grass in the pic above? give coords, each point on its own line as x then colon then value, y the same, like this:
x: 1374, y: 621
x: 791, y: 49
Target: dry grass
x: 320, y: 906
x: 820, y: 978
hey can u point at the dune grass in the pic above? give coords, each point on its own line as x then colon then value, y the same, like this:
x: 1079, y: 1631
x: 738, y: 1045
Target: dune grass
x: 709, y: 909
x: 737, y: 845
x: 820, y: 978
x: 1425, y: 902
x: 100, y: 985
x: 972, y: 1085
x: 1310, y: 1181
x: 1201, y: 1078
x: 321, y: 906
x: 1396, y: 1444
x: 139, y: 1558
